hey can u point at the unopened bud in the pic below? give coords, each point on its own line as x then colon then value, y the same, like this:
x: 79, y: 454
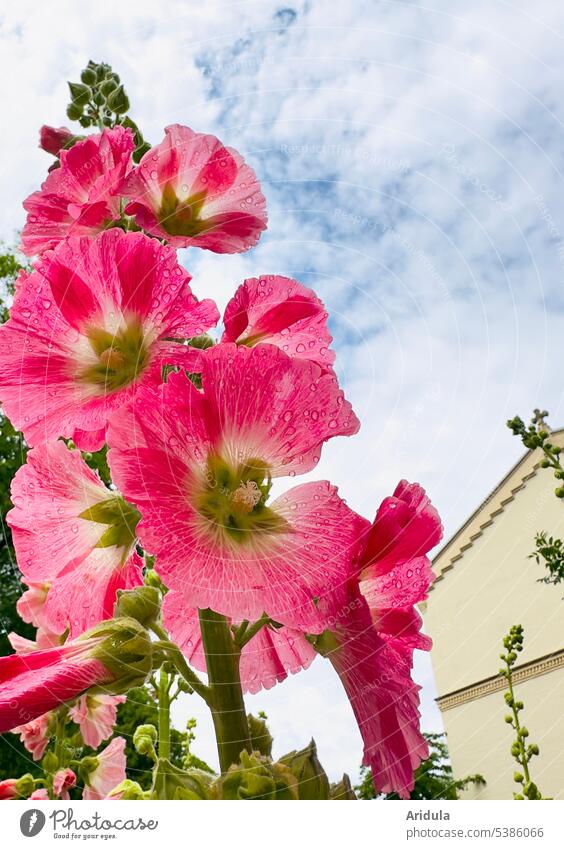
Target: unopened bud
x: 142, y: 603
x: 127, y: 790
x: 312, y: 779
x: 144, y: 739
x: 25, y: 785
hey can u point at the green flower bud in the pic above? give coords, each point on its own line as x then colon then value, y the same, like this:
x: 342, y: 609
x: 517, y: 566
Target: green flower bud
x: 342, y: 790
x: 88, y: 76
x: 107, y: 87
x: 144, y: 739
x: 125, y: 649
x: 142, y: 603
x: 524, y: 732
x: 261, y: 738
x: 518, y: 777
x: 559, y: 492
x: 80, y: 94
x: 509, y: 719
x: 50, y: 762
x: 74, y: 112
x: 178, y: 783
x: 118, y: 101
x: 25, y: 785
x: 533, y: 749
x: 312, y: 779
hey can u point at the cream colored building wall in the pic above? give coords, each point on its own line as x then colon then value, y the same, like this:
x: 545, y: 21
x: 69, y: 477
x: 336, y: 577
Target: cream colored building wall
x: 486, y: 584
x: 480, y: 740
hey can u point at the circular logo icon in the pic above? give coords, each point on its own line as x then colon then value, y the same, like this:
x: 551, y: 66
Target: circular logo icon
x: 31, y: 822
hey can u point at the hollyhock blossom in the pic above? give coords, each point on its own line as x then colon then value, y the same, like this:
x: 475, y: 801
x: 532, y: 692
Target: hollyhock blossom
x: 63, y: 780
x: 96, y: 319
x: 8, y: 789
x: 35, y: 735
x: 283, y: 312
x: 54, y: 139
x: 266, y: 659
x: 40, y: 794
x: 31, y: 605
x: 81, y: 197
x: 96, y: 715
x: 371, y: 641
x: 199, y: 466
x: 107, y: 770
x: 115, y: 654
x: 191, y: 190
x: 74, y: 535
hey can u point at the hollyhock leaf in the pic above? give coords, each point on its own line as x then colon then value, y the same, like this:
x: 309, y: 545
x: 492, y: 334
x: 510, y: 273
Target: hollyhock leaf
x: 81, y: 197
x: 70, y: 357
x: 191, y: 190
x: 282, y: 312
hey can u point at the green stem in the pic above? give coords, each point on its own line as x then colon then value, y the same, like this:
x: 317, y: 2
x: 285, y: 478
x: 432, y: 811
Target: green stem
x: 164, y: 715
x: 515, y: 712
x: 178, y: 659
x: 251, y: 630
x: 227, y: 704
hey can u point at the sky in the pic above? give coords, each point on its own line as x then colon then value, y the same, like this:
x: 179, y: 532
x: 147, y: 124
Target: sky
x: 411, y: 156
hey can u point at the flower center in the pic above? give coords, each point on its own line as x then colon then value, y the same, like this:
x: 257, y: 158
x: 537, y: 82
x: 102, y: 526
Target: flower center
x: 121, y: 356
x: 121, y: 519
x: 232, y: 499
x: 181, y: 217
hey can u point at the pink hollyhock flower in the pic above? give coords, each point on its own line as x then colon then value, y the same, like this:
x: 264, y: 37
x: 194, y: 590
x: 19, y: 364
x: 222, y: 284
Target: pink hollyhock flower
x: 40, y: 794
x: 96, y: 319
x: 96, y: 715
x: 265, y: 660
x: 193, y: 191
x: 199, y: 466
x: 280, y: 311
x: 8, y: 789
x: 35, y: 735
x: 31, y: 605
x: 35, y: 683
x: 108, y: 771
x: 54, y: 139
x: 371, y: 642
x: 81, y: 197
x: 63, y: 780
x: 72, y: 533
x: 116, y: 654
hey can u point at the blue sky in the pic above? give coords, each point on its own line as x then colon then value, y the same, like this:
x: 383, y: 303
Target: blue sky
x: 411, y: 155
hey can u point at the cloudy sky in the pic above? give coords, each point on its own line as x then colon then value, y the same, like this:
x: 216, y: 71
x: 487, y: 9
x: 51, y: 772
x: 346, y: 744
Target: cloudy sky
x: 411, y: 155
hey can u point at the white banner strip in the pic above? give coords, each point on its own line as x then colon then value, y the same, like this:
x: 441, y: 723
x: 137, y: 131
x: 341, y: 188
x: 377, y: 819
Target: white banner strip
x: 364, y: 825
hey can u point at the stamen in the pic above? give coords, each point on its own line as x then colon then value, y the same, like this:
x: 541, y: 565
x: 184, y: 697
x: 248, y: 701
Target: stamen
x: 247, y: 496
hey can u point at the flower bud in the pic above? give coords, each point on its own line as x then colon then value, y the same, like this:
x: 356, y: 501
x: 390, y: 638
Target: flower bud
x: 518, y: 777
x: 50, y: 762
x: 25, y: 785
x: 118, y: 101
x: 144, y: 740
x: 125, y: 649
x: 312, y: 779
x: 142, y: 603
x: 88, y: 76
x: 80, y: 94
x: 54, y: 139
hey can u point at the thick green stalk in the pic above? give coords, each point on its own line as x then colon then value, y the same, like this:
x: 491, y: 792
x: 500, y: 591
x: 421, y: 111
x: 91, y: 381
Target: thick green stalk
x: 226, y: 703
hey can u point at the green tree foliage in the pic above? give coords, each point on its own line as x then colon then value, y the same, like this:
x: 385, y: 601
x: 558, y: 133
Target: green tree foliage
x: 433, y: 777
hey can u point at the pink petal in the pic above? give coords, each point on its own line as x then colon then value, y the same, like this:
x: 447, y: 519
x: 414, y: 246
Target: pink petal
x: 110, y: 770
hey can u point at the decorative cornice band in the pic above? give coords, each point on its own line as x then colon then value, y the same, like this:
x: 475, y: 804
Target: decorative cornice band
x: 533, y: 669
